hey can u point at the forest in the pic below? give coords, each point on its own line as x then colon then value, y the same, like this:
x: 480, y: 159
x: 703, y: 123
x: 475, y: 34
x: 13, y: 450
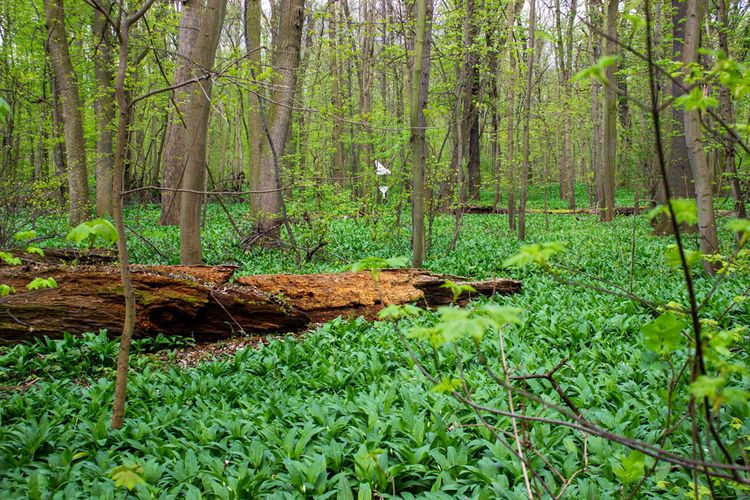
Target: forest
x: 374, y: 249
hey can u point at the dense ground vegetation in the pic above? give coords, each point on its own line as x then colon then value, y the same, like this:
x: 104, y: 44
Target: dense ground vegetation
x: 343, y: 409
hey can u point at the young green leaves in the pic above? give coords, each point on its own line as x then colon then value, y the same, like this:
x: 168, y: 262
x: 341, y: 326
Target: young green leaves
x: 92, y: 230
x: 377, y: 264
x: 537, y: 253
x: 664, y: 334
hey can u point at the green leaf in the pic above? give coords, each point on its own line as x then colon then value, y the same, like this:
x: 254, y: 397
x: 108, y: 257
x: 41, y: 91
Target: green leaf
x: 4, y: 110
x: 396, y: 312
x: 6, y: 290
x: 457, y: 288
x: 538, y: 253
x: 631, y: 468
x: 91, y: 230
x: 9, y: 259
x: 596, y: 71
x: 81, y: 232
x: 365, y: 492
x: 664, y: 334
x: 501, y: 315
x: 706, y: 386
x: 127, y: 475
x: 673, y: 256
x: 35, y: 250
x: 40, y: 283
x: 739, y: 225
x: 447, y: 385
x: 25, y: 235
x: 696, y: 100
x: 685, y: 210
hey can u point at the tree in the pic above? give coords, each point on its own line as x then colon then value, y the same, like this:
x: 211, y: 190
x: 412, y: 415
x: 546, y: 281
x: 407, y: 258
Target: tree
x: 185, y: 146
x: 709, y: 243
x: 266, y: 204
x: 530, y: 55
x: 199, y: 37
x: 70, y: 103
x: 609, y: 152
x: 255, y: 125
x: 105, y: 114
x: 725, y: 104
x: 511, y: 115
x: 420, y: 77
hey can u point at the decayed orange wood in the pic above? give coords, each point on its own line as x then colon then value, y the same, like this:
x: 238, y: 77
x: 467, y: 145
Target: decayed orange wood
x: 325, y: 296
x: 203, y: 302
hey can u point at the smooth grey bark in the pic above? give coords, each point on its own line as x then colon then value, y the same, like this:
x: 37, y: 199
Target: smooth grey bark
x: 184, y: 145
x: 725, y: 107
x: 530, y: 58
x: 105, y: 114
x: 266, y: 206
x: 420, y: 76
x: 709, y: 243
x: 70, y: 103
x: 200, y: 29
x: 337, y: 171
x: 256, y: 141
x: 609, y: 152
x: 511, y: 96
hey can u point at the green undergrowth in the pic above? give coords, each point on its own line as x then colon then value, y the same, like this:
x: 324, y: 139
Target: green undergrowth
x: 344, y: 412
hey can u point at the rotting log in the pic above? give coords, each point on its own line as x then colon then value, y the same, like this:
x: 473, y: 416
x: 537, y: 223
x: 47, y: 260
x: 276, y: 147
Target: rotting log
x: 202, y: 302
x: 325, y: 296
x: 488, y: 209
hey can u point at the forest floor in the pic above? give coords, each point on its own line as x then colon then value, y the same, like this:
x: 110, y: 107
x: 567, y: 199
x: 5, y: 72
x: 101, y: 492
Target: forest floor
x: 342, y: 410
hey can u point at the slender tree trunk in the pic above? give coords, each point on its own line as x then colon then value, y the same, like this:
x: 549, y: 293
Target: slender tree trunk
x: 610, y: 117
x: 679, y: 174
x: 595, y: 18
x: 530, y: 57
x: 725, y: 105
x: 199, y: 37
x: 58, y: 148
x: 338, y: 172
x: 365, y: 99
x: 420, y: 75
x: 267, y: 206
x: 72, y: 121
x: 105, y: 114
x: 511, y: 97
x: 256, y: 139
x: 709, y: 243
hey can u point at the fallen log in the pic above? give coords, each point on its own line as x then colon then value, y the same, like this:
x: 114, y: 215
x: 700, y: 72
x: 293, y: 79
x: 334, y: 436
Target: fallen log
x: 202, y: 302
x: 487, y: 209
x: 325, y: 296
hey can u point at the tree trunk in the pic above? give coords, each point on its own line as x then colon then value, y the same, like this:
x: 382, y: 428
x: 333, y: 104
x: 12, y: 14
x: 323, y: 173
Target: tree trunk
x: 530, y: 58
x: 72, y: 121
x: 610, y: 117
x: 200, y: 29
x: 709, y: 243
x: 420, y: 76
x: 679, y: 174
x: 105, y: 114
x: 266, y: 207
x: 256, y: 139
x: 511, y: 97
x: 199, y: 301
x: 337, y: 171
x: 185, y: 146
x: 725, y: 106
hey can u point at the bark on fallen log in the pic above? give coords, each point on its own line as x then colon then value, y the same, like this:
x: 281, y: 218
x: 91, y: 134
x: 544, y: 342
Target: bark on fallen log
x: 201, y: 302
x: 325, y: 296
x: 483, y: 209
